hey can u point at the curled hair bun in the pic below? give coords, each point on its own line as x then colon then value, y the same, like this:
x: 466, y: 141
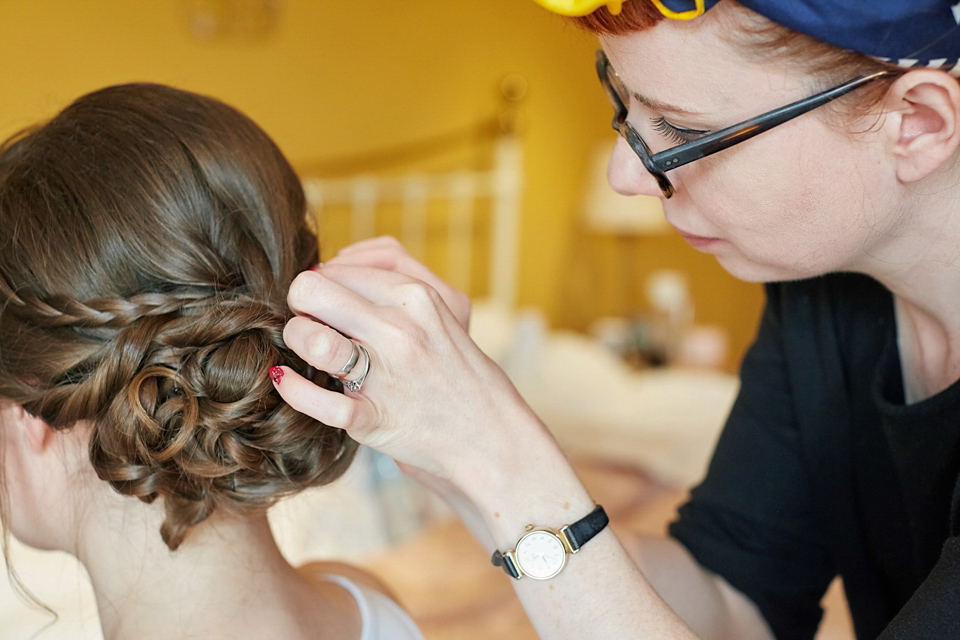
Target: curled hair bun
x: 183, y: 408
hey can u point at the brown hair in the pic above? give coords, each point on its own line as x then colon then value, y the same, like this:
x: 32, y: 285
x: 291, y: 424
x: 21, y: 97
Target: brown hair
x: 150, y: 236
x: 760, y: 39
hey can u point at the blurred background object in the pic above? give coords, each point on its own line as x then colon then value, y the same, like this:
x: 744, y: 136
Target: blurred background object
x: 249, y: 20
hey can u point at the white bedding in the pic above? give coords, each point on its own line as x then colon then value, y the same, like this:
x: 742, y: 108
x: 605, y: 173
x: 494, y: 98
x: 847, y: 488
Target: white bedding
x: 664, y: 420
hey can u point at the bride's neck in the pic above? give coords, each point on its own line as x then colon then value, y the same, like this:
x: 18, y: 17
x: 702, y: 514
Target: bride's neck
x: 227, y: 579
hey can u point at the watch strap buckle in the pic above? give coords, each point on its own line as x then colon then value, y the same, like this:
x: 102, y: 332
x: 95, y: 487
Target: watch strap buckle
x: 505, y: 560
x: 570, y: 544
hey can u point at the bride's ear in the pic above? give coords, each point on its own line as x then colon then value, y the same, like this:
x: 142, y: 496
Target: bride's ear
x: 36, y: 433
x: 925, y: 124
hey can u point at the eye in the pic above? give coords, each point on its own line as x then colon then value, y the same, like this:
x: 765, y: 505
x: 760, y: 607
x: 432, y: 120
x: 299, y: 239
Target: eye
x: 678, y: 135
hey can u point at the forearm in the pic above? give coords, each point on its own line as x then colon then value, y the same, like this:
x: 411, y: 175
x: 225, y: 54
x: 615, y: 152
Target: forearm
x: 712, y: 608
x: 600, y: 593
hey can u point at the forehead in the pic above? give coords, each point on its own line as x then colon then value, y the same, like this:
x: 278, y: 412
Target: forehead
x: 691, y: 64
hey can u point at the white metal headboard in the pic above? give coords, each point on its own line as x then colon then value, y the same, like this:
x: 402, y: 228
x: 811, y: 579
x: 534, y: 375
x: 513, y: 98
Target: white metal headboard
x: 364, y: 194
x: 367, y: 196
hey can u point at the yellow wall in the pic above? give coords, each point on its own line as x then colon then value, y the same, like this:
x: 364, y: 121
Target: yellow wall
x: 336, y: 77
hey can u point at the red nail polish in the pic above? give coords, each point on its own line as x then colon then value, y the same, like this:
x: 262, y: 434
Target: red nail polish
x: 276, y: 374
x: 316, y: 267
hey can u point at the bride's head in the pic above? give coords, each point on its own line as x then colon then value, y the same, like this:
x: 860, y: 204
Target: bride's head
x: 148, y: 239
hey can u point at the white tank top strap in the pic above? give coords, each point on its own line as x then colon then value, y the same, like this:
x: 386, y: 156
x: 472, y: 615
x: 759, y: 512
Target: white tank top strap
x: 383, y: 619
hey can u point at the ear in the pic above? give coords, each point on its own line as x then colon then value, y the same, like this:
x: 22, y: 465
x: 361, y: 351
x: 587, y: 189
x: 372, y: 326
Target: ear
x: 925, y: 124
x: 37, y: 433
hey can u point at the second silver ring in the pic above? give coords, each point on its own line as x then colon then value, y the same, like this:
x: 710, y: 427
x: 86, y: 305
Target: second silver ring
x: 355, y: 384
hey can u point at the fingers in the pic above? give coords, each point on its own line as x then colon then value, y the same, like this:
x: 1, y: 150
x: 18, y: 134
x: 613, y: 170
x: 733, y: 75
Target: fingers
x: 347, y: 297
x: 383, y: 253
x: 376, y: 285
x: 320, y: 346
x: 388, y: 254
x: 399, y: 288
x: 382, y: 248
x: 320, y: 297
x: 329, y: 407
x: 414, y: 298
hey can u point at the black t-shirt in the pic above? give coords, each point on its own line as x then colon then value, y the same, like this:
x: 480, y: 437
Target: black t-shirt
x: 822, y: 470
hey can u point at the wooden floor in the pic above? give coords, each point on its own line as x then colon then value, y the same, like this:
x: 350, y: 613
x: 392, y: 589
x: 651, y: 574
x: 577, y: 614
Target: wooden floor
x: 446, y: 581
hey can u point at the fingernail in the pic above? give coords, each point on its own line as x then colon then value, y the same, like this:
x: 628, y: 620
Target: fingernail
x: 316, y: 267
x: 276, y: 374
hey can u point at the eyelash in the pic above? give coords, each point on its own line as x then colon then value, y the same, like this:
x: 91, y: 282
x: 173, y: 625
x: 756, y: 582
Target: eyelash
x: 678, y: 135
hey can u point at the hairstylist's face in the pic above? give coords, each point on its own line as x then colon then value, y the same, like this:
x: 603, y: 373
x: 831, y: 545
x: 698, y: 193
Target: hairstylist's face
x: 802, y: 199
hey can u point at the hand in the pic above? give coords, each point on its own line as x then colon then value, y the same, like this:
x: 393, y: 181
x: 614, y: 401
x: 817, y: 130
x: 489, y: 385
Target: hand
x: 387, y: 253
x: 437, y: 405
x: 432, y: 400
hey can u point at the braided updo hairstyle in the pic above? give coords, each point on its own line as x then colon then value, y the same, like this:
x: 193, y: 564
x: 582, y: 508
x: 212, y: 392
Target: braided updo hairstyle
x: 149, y: 236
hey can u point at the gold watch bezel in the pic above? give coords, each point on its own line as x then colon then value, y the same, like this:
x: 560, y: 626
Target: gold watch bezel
x: 557, y: 535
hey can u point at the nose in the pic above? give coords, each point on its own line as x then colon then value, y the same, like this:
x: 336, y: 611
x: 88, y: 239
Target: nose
x: 626, y: 174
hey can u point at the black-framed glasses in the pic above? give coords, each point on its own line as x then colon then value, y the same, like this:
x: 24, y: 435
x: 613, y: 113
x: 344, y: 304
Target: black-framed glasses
x: 657, y: 164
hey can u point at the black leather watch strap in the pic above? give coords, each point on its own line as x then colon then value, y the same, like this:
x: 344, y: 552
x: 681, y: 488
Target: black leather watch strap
x: 577, y: 534
x: 581, y: 531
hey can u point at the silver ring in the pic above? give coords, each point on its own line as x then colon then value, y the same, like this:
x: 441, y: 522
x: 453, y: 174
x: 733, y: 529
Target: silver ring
x: 352, y: 362
x: 354, y: 385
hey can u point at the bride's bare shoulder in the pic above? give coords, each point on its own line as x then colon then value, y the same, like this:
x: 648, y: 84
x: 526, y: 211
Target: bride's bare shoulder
x: 317, y: 571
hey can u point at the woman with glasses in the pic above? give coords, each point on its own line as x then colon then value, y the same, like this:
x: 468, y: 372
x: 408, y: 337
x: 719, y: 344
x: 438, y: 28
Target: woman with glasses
x: 809, y: 145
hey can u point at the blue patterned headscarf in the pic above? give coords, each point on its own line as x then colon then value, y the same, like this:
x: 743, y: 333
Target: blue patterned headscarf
x: 908, y: 33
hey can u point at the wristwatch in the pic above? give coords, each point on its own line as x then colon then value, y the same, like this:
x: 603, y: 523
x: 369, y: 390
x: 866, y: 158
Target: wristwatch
x: 542, y: 552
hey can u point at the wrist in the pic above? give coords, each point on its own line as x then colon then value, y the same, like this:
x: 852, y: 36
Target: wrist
x: 527, y: 480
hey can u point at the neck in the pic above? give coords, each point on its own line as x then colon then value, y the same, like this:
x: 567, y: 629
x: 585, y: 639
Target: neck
x: 227, y: 579
x: 929, y: 352
x: 919, y: 262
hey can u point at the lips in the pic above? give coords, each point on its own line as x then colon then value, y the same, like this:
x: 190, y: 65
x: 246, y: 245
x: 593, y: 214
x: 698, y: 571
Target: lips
x: 698, y: 242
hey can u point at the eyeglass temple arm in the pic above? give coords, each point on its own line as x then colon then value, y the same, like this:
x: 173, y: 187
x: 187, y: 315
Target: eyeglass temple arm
x: 719, y: 140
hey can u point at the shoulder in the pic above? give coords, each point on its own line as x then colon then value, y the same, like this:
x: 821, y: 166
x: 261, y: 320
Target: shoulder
x: 381, y: 613
x: 317, y: 570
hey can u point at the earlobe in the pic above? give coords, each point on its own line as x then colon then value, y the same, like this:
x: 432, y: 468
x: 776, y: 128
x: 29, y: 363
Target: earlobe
x: 37, y: 433
x: 927, y: 127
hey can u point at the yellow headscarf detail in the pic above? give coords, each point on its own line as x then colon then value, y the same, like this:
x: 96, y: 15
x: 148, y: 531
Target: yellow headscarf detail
x: 680, y: 15
x: 580, y: 7
x: 584, y: 7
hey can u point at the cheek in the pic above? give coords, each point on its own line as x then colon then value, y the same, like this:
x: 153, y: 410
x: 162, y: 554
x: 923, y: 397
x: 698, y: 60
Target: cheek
x: 800, y: 203
x: 805, y: 181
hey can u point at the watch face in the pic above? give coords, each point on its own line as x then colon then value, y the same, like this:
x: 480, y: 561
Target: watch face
x: 540, y: 555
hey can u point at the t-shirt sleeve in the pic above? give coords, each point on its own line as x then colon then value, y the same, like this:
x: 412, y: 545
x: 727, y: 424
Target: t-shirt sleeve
x: 752, y: 519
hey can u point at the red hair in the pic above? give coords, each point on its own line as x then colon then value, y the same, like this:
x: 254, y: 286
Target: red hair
x: 633, y: 16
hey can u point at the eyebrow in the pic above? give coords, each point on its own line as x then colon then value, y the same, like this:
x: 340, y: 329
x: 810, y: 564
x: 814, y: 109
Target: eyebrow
x: 657, y: 105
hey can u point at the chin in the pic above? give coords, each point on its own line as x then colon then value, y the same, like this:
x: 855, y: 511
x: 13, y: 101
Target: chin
x: 749, y: 271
